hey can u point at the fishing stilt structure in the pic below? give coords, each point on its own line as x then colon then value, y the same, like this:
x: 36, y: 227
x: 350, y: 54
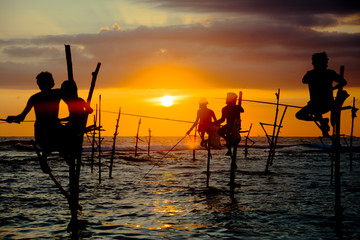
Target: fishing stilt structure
x: 114, y: 143
x: 137, y: 138
x: 353, y: 116
x: 75, y: 160
x: 99, y: 140
x: 208, y: 161
x: 73, y: 226
x: 246, y: 147
x: 93, y: 140
x: 149, y: 142
x: 235, y: 140
x: 336, y: 119
x: 42, y: 158
x: 233, y: 168
x: 275, y: 133
x: 194, y: 145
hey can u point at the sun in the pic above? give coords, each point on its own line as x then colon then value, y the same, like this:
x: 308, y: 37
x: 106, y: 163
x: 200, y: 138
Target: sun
x: 167, y: 101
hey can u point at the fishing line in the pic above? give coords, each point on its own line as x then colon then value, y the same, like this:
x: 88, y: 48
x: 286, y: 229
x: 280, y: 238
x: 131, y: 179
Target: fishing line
x: 165, y: 155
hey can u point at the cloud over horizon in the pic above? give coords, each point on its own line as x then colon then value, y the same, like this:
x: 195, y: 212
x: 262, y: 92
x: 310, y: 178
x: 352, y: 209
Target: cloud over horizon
x: 264, y: 45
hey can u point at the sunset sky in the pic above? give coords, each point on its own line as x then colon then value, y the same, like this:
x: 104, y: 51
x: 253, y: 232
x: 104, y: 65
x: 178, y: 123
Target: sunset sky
x: 185, y: 49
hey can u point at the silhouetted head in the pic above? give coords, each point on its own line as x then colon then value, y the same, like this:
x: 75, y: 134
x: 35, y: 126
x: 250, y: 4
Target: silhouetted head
x: 69, y: 90
x: 231, y: 98
x: 45, y: 81
x: 203, y: 102
x: 320, y: 61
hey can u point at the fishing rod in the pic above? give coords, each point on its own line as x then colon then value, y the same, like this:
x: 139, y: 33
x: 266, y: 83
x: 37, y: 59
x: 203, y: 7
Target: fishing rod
x: 165, y: 155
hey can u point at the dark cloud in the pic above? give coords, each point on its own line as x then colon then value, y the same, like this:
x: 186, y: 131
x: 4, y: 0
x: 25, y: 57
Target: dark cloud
x: 305, y: 13
x: 231, y: 54
x: 274, y: 7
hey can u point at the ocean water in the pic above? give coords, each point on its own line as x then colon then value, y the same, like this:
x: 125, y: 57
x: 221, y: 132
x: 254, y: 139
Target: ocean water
x: 165, y: 197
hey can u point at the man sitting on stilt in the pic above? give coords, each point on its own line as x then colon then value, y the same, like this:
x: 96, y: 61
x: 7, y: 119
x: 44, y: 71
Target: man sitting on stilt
x: 47, y: 125
x: 204, y: 118
x: 320, y: 81
x: 231, y: 130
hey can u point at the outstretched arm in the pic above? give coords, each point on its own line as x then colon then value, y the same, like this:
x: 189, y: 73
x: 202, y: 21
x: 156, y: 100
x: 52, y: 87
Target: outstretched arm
x: 195, y: 123
x: 223, y: 117
x: 19, y: 118
x: 213, y: 116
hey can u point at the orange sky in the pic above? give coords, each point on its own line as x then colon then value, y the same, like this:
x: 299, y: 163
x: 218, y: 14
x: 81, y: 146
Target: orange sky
x: 186, y: 49
x: 147, y: 103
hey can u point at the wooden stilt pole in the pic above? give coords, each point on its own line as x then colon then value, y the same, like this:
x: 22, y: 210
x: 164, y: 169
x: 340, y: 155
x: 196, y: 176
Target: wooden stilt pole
x: 74, y: 169
x: 113, y: 146
x: 99, y: 116
x: 332, y: 158
x: 194, y: 147
x: 353, y: 116
x: 208, y: 161
x: 337, y: 150
x: 93, y: 140
x: 137, y: 138
x: 277, y: 136
x: 149, y: 142
x: 51, y: 174
x: 246, y: 141
x: 267, y: 136
x: 234, y: 143
x: 73, y: 226
x: 232, y: 171
x: 272, y: 142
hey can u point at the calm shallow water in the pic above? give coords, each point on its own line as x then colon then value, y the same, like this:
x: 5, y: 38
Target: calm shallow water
x: 295, y: 201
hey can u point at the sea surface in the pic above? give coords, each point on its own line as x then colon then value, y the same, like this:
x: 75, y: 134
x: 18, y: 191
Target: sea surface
x: 162, y: 193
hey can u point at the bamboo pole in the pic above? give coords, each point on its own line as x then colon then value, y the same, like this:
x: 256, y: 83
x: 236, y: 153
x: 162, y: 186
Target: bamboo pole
x: 137, y: 138
x: 233, y: 165
x: 277, y: 136
x: 74, y: 182
x: 194, y: 145
x: 149, y: 142
x: 208, y: 161
x: 93, y: 140
x: 232, y: 171
x: 51, y: 174
x: 353, y: 116
x: 267, y: 136
x: 93, y: 80
x: 273, y: 135
x: 336, y: 149
x: 113, y: 146
x: 69, y: 63
x: 246, y: 141
x: 99, y: 116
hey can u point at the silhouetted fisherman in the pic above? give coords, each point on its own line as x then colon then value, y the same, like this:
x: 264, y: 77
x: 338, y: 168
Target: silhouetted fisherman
x: 47, y: 124
x: 204, y: 118
x: 74, y: 128
x: 231, y: 130
x: 320, y: 81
